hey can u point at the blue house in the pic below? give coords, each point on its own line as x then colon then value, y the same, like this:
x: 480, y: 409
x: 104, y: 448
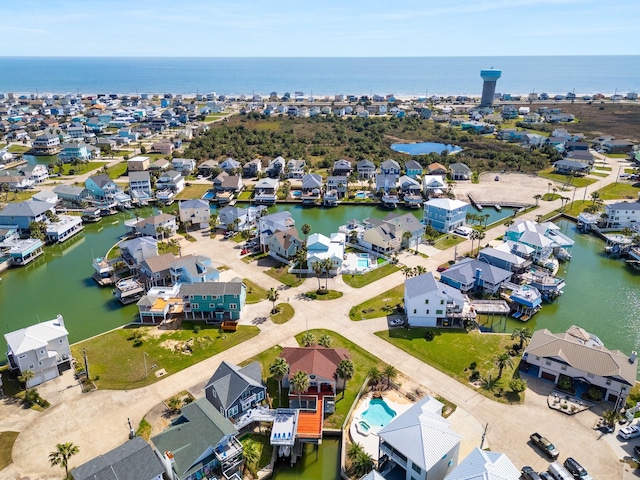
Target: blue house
x: 233, y: 390
x: 390, y: 167
x: 413, y: 168
x: 105, y: 189
x: 193, y: 269
x: 21, y: 214
x: 444, y: 214
x: 213, y: 301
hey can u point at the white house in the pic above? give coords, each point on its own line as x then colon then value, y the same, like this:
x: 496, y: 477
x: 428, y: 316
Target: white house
x: 195, y: 212
x: 42, y: 348
x: 321, y: 247
x: 484, y: 465
x: 622, y: 215
x: 140, y: 185
x: 428, y: 302
x: 421, y: 442
x: 36, y: 172
x: 582, y: 357
x: 270, y: 224
x: 434, y: 185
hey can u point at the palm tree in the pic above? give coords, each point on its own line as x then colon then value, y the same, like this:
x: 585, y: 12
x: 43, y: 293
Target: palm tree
x: 374, y: 376
x: 489, y: 383
x: 537, y: 198
x: 306, y: 228
x: 25, y: 376
x: 361, y: 464
x: 474, y: 235
x: 406, y: 236
x: 390, y: 373
x: 485, y: 217
x: 300, y: 383
x: 353, y: 450
x: 595, y: 196
x: 408, y: 272
x: 503, y: 360
x: 627, y: 232
x: 308, y: 339
x: 62, y: 454
x: 250, y: 453
x: 173, y: 245
x: 318, y: 268
x: 327, y: 266
x: 610, y: 417
x: 278, y: 369
x: 325, y: 341
x: 419, y: 270
x: 272, y: 296
x: 301, y: 258
x: 481, y: 236
x: 522, y: 334
x: 345, y: 371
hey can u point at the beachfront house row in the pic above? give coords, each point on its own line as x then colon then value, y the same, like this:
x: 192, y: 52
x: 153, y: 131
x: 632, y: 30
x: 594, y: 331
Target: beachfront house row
x: 21, y: 214
x: 429, y: 303
x: 420, y: 443
x: 484, y: 464
x: 445, y: 214
x: 233, y: 390
x: 621, y: 215
x: 460, y: 171
x: 475, y: 276
x: 214, y: 301
x: 283, y: 245
x: 198, y: 444
x: 193, y: 269
x: 42, y: 349
x: 583, y: 358
x: 194, y: 213
x: 366, y: 169
x: 134, y: 460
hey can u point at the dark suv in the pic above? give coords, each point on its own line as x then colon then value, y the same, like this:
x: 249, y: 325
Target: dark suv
x: 575, y: 468
x: 529, y: 473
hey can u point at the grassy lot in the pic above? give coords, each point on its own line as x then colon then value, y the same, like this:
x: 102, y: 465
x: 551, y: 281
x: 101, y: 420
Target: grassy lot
x: 362, y: 360
x: 359, y: 281
x: 118, y: 170
x: 550, y: 197
x: 616, y: 155
x: 606, y: 169
x: 577, y: 207
x: 445, y: 242
x: 599, y: 174
x: 144, y: 429
x: 283, y: 276
x: 20, y: 196
x: 245, y: 195
x: 578, y: 182
x: 18, y: 148
x: 255, y: 293
x: 155, y: 156
x: 121, y: 153
x: 117, y: 359
x: 193, y: 192
x: 619, y: 191
x: 453, y: 351
x: 285, y: 313
x: 254, y: 257
x: 7, y: 439
x: 379, y: 306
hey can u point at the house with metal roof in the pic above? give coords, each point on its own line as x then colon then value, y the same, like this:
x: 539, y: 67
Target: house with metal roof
x: 583, y: 358
x: 502, y: 257
x: 621, y: 215
x: 544, y: 238
x: 72, y: 194
x: 420, y: 442
x: 430, y: 303
x: 214, y: 302
x: 199, y: 443
x: 470, y: 275
x: 484, y: 465
x: 445, y: 214
x: 233, y: 390
x: 134, y: 460
x: 193, y: 269
x: 42, y: 348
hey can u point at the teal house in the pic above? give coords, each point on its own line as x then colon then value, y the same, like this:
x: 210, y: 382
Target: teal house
x: 213, y: 301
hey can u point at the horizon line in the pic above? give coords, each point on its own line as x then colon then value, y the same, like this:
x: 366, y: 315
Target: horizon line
x: 318, y: 56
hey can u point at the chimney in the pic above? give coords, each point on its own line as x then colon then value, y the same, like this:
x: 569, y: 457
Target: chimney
x: 60, y: 320
x: 633, y: 357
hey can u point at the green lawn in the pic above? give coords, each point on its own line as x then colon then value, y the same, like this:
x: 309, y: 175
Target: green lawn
x: 616, y: 155
x: 605, y: 169
x: 144, y: 429
x: 577, y: 207
x: 118, y: 363
x: 20, y: 196
x: 245, y: 195
x: 285, y: 313
x: 193, y: 191
x: 359, y: 281
x: 283, y: 276
x: 550, y: 197
x: 578, y: 182
x: 255, y: 293
x: 325, y: 295
x: 453, y: 351
x: 444, y: 242
x: 599, y: 174
x: 362, y: 361
x: 118, y: 170
x: 379, y: 306
x: 619, y: 191
x: 264, y: 448
x: 7, y: 439
x: 18, y: 148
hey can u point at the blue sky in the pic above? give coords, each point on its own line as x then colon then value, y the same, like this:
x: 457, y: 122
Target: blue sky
x: 320, y: 28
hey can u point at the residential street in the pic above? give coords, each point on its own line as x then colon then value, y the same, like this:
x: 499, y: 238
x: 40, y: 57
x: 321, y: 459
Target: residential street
x: 97, y: 421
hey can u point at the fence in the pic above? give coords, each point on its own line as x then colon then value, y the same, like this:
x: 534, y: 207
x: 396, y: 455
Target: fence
x: 343, y: 442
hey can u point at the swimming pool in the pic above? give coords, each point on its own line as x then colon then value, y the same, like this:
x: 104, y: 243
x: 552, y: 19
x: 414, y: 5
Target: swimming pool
x: 296, y: 193
x: 363, y: 263
x: 209, y: 195
x: 378, y: 414
x: 361, y: 195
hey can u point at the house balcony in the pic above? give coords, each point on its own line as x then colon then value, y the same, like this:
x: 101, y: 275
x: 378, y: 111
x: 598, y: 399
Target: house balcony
x: 392, y: 454
x: 227, y: 452
x: 246, y: 403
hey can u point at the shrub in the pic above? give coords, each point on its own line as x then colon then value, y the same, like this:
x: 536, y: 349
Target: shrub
x: 475, y: 376
x: 473, y: 365
x: 517, y: 385
x: 197, y: 328
x: 429, y: 335
x: 312, y: 295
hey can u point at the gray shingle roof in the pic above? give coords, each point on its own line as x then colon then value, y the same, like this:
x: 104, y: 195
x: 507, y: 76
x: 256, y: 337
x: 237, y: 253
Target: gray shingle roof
x: 134, y: 460
x: 212, y: 288
x: 465, y: 272
x: 229, y: 381
x: 25, y: 209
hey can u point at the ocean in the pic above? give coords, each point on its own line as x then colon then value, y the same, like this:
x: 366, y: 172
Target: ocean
x: 403, y: 76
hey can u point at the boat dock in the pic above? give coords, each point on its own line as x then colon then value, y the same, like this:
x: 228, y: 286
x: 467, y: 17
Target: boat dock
x: 488, y: 307
x: 498, y: 205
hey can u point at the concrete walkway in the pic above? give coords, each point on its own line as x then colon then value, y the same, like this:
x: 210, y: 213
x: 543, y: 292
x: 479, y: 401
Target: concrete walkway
x: 97, y: 421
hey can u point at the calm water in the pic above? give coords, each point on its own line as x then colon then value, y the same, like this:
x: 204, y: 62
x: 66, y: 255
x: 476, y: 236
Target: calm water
x: 424, y: 148
x: 602, y: 296
x: 320, y: 76
x: 321, y: 464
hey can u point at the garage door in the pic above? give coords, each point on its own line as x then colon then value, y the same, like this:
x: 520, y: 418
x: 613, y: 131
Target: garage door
x: 50, y: 374
x: 548, y: 376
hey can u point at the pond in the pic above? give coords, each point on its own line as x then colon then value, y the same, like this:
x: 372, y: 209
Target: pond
x: 424, y: 148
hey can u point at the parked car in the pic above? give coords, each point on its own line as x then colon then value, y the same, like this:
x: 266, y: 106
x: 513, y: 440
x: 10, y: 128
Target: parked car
x: 545, y: 476
x: 396, y: 322
x: 577, y: 470
x: 497, y: 179
x: 630, y: 431
x: 441, y: 268
x: 244, y: 251
x: 545, y: 445
x: 529, y: 473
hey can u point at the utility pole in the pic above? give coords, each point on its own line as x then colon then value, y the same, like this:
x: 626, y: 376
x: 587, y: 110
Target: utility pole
x: 86, y: 363
x: 131, y: 432
x: 484, y: 434
x: 144, y: 358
